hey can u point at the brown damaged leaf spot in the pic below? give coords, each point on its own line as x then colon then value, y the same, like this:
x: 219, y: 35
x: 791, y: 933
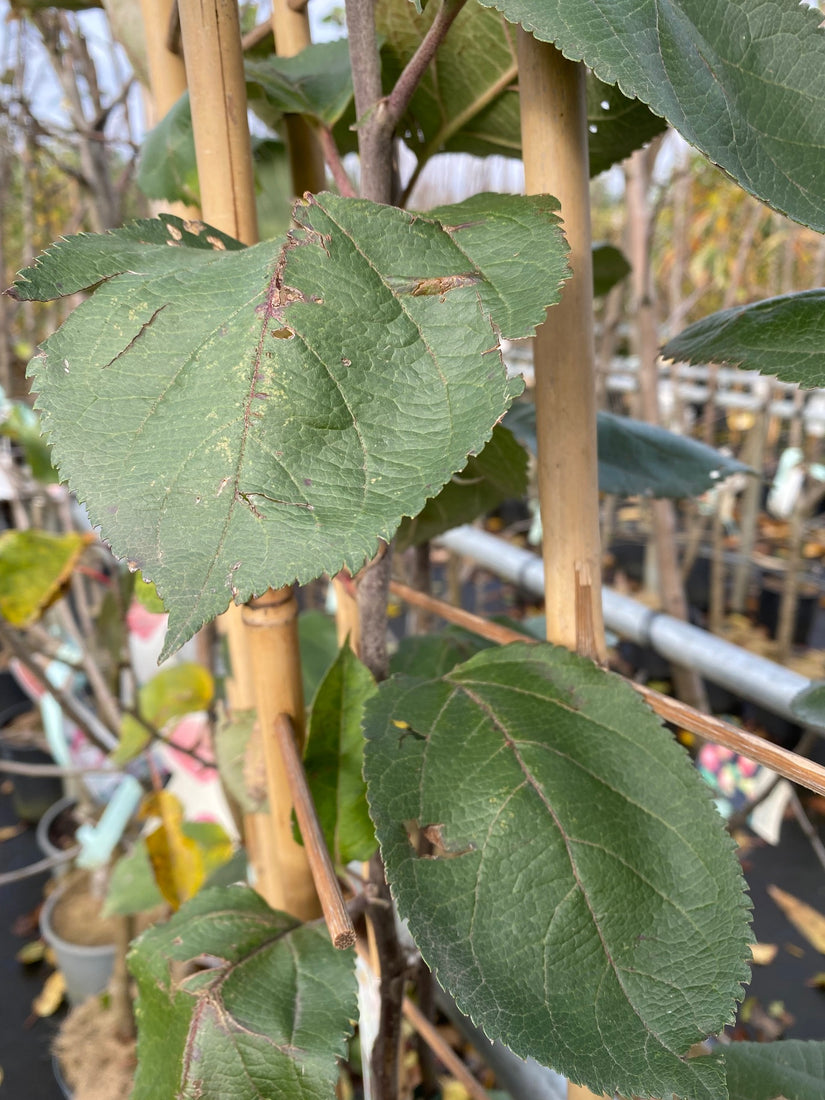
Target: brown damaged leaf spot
x: 442, y: 284
x: 428, y: 842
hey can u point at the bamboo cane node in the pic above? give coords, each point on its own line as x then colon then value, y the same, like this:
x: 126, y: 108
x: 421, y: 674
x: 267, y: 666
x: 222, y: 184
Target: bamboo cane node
x: 275, y: 608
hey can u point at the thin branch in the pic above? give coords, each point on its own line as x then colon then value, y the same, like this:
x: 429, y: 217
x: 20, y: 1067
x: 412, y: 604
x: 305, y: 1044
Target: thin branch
x: 790, y: 764
x: 14, y: 767
x: 332, y: 156
x: 39, y: 867
x: 374, y: 133
x: 399, y: 98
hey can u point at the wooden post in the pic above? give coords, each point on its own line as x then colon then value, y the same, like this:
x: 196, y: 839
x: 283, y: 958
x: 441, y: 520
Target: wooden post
x: 554, y: 140
x: 265, y: 657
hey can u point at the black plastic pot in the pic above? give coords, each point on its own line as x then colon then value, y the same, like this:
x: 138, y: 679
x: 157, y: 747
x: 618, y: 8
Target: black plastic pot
x: 770, y: 600
x: 32, y: 794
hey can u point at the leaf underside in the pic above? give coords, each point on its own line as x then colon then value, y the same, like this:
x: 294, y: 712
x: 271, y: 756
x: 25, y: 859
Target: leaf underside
x: 270, y: 1018
x: 580, y: 900
x: 783, y: 336
x: 742, y: 81
x: 236, y: 420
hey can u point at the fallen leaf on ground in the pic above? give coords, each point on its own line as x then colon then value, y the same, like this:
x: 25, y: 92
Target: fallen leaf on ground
x: 763, y: 953
x: 30, y: 953
x: 51, y: 996
x: 9, y: 832
x: 807, y: 920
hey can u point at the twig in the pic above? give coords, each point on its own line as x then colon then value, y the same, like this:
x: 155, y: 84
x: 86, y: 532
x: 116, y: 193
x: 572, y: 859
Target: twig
x: 443, y: 1051
x: 790, y: 764
x: 336, y: 915
x: 333, y: 158
x: 399, y: 98
x: 38, y: 868
x: 392, y: 968
x: 807, y: 828
x: 13, y: 767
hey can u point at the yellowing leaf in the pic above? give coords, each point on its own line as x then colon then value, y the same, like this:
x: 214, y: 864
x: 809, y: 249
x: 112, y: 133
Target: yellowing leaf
x: 30, y: 953
x: 213, y: 841
x: 174, y: 692
x: 176, y: 859
x: 34, y: 569
x: 50, y: 998
x: 807, y: 920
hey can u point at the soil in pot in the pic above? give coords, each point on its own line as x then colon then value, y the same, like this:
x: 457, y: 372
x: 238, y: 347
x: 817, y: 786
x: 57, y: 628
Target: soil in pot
x: 94, y: 1062
x: 76, y: 915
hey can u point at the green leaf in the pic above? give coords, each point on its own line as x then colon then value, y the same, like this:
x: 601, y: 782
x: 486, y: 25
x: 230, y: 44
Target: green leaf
x: 808, y: 705
x: 132, y: 887
x: 638, y: 459
x: 498, y: 473
x: 132, y: 740
x: 147, y: 595
x: 333, y: 759
x: 214, y: 843
x: 318, y: 640
x: 237, y: 420
x: 610, y: 266
x: 791, y: 1069
x: 782, y: 336
x: 22, y: 426
x: 468, y: 102
x: 317, y: 82
x: 167, y: 168
x: 430, y: 655
x: 581, y: 901
x: 35, y: 567
x: 269, y: 1018
x: 744, y: 84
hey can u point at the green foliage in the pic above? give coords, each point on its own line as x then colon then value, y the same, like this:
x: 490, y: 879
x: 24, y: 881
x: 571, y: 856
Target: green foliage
x: 316, y: 83
x: 783, y: 336
x: 808, y: 705
x: 333, y: 759
x: 22, y: 426
x: 167, y: 168
x: 270, y: 1017
x: 282, y: 386
x: 748, y: 92
x: 610, y: 266
x: 468, y: 100
x: 579, y: 897
x: 639, y: 459
x: 319, y: 648
x: 498, y: 473
x: 171, y: 694
x: 790, y: 1070
x: 427, y: 656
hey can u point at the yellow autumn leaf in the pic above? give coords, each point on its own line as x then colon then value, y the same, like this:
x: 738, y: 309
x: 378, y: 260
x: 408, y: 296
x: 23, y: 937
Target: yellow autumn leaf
x: 35, y: 567
x: 807, y: 920
x: 177, y: 860
x: 50, y: 998
x: 30, y: 953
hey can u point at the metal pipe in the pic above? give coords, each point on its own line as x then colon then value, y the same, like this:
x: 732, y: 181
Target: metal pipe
x: 754, y: 678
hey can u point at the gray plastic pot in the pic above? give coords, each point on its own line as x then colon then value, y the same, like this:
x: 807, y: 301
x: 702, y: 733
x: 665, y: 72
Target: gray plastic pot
x: 87, y: 970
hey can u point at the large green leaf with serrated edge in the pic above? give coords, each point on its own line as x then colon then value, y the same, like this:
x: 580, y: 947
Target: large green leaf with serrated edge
x: 236, y: 420
x: 782, y: 336
x: 498, y: 473
x: 580, y: 898
x: 270, y: 1017
x: 333, y: 759
x: 742, y: 81
x: 468, y: 102
x: 167, y: 168
x: 788, y: 1070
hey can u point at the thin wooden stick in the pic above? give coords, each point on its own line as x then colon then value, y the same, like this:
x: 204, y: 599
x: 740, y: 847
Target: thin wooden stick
x: 443, y: 1051
x: 786, y: 763
x: 334, y: 907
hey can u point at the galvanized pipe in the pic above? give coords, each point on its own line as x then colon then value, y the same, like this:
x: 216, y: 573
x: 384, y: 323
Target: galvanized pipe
x: 755, y: 678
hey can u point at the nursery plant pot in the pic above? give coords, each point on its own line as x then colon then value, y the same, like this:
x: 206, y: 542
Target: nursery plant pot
x: 61, y: 1080
x: 770, y: 599
x: 22, y: 741
x: 71, y: 910
x: 55, y: 831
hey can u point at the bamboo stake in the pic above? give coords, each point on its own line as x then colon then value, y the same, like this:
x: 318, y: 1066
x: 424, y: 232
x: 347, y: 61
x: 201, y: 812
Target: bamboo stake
x: 268, y: 672
x: 341, y: 931
x: 554, y: 140
x: 167, y: 75
x: 789, y: 764
x: 306, y: 158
